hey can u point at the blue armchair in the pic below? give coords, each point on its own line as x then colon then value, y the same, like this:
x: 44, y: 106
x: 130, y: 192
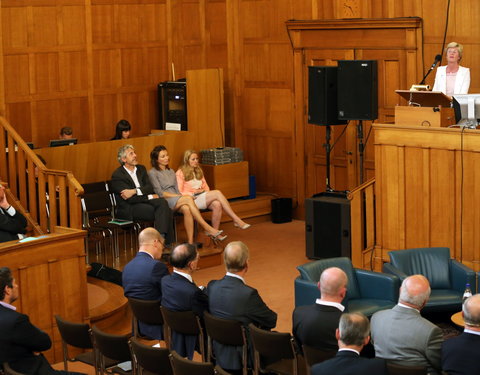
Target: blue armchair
x: 367, y: 291
x: 447, y: 277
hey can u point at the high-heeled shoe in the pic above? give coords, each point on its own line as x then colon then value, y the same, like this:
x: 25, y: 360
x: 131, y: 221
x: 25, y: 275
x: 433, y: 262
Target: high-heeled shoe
x: 244, y: 226
x: 217, y: 237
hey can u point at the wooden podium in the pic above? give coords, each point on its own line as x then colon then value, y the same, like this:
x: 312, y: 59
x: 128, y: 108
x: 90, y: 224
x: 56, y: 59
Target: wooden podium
x: 426, y: 108
x: 52, y: 278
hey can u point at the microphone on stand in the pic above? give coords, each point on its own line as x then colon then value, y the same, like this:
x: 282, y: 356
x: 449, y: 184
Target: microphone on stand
x: 438, y: 58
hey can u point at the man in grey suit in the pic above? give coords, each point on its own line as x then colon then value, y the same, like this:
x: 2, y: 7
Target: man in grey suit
x: 231, y: 298
x: 401, y: 335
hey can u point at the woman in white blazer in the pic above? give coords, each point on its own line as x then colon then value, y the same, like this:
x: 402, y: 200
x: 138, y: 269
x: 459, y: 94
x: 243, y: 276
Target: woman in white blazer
x: 452, y: 79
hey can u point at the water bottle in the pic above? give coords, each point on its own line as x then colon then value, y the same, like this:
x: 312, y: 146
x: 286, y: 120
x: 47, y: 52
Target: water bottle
x: 467, y: 293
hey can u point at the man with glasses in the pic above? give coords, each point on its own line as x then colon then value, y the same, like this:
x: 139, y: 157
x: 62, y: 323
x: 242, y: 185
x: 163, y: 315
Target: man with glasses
x: 142, y: 276
x: 179, y: 293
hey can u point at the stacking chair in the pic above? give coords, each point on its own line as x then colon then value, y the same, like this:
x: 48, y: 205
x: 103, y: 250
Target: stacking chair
x: 77, y: 335
x: 220, y: 371
x: 276, y: 348
x: 149, y: 358
x: 184, y: 366
x: 145, y: 311
x: 113, y: 347
x: 313, y: 355
x: 7, y: 370
x: 183, y: 322
x: 405, y: 370
x: 226, y: 332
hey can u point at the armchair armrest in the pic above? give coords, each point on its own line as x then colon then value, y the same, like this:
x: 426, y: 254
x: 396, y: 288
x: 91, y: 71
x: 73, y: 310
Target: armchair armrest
x: 376, y: 285
x: 306, y: 292
x: 389, y: 268
x: 460, y: 275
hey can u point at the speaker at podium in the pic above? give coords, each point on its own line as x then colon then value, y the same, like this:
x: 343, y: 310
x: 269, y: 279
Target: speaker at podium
x: 327, y: 226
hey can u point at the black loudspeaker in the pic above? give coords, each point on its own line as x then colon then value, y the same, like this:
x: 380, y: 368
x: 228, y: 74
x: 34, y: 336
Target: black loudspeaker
x: 322, y: 96
x: 357, y: 90
x: 172, y: 105
x: 327, y: 226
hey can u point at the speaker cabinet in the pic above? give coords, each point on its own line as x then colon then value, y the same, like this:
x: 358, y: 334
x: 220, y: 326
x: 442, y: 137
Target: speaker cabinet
x: 322, y: 96
x: 172, y: 105
x: 327, y: 226
x: 357, y: 90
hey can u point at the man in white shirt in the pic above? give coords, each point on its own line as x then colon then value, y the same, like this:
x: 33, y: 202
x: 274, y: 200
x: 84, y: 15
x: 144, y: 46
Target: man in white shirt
x: 12, y: 223
x: 353, y: 333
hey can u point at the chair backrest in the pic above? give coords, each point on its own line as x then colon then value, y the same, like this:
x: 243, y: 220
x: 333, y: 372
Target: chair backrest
x: 314, y: 355
x: 112, y: 346
x: 312, y: 271
x: 220, y: 371
x: 97, y: 204
x: 225, y: 331
x: 153, y: 359
x: 93, y: 187
x: 74, y: 334
x: 393, y: 369
x: 7, y: 370
x: 185, y: 322
x: 146, y: 311
x: 272, y: 344
x: 431, y: 262
x: 184, y: 366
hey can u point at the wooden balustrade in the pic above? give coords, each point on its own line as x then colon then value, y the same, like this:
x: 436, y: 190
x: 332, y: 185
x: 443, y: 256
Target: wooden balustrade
x: 48, y: 197
x: 362, y: 226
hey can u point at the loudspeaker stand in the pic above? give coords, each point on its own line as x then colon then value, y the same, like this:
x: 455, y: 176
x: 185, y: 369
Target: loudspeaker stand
x: 361, y: 148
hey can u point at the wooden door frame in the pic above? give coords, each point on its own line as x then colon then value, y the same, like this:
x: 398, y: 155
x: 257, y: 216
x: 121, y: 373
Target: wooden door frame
x: 381, y: 33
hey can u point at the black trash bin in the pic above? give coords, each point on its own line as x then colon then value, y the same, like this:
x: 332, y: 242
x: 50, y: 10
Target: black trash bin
x: 281, y: 210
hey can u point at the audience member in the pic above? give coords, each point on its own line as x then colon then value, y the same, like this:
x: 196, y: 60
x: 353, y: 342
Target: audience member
x: 353, y: 333
x: 231, y: 298
x: 66, y: 133
x: 191, y: 181
x: 135, y: 197
x: 20, y: 341
x: 459, y: 354
x: 142, y: 276
x: 165, y: 185
x: 122, y: 130
x: 401, y: 335
x: 179, y: 293
x: 315, y: 325
x: 12, y: 223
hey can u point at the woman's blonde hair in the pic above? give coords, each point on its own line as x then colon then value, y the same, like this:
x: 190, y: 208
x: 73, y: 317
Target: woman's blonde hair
x: 456, y: 45
x: 189, y: 172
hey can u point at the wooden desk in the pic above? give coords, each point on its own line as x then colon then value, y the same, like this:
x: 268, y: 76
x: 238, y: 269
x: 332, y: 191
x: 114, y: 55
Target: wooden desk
x: 231, y: 179
x: 52, y: 279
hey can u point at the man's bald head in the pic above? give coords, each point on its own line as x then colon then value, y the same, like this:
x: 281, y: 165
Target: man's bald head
x: 415, y: 291
x: 333, y: 283
x: 236, y: 256
x: 148, y: 235
x: 471, y: 312
x: 182, y: 255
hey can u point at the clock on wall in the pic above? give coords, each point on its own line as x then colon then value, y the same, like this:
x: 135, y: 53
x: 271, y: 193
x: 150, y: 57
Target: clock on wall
x: 348, y: 8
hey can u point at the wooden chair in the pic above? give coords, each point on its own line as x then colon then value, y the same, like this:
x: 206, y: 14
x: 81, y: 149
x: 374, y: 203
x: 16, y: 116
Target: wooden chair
x: 149, y: 358
x: 405, y: 370
x: 184, y: 366
x: 276, y: 349
x: 313, y: 356
x: 114, y: 347
x: 145, y: 311
x: 226, y: 332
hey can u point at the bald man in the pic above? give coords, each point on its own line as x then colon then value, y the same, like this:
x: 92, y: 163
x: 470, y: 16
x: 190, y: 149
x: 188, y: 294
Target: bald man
x: 315, y: 325
x: 142, y: 276
x: 401, y: 335
x: 231, y: 298
x: 459, y: 354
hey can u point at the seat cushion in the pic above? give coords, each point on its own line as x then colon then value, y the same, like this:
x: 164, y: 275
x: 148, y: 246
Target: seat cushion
x: 368, y: 306
x: 445, y: 297
x: 431, y: 262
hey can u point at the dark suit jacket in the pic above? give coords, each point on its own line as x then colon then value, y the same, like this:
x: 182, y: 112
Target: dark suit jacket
x: 459, y: 355
x: 142, y: 279
x: 315, y: 326
x: 121, y: 180
x: 179, y: 294
x: 10, y: 226
x: 348, y: 363
x: 19, y: 339
x: 230, y: 298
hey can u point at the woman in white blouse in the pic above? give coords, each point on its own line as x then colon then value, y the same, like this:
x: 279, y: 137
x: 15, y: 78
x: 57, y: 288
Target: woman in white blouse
x: 452, y: 79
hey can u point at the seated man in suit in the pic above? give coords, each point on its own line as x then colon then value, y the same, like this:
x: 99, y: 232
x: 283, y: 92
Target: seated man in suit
x: 231, y: 298
x: 179, y: 293
x: 142, y: 276
x: 353, y: 333
x: 12, y: 223
x: 459, y: 354
x: 135, y: 197
x: 315, y: 325
x: 20, y: 341
x: 401, y: 335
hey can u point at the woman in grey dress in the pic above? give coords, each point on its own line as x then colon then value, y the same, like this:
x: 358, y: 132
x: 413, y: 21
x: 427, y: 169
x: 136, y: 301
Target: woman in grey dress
x: 164, y: 183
